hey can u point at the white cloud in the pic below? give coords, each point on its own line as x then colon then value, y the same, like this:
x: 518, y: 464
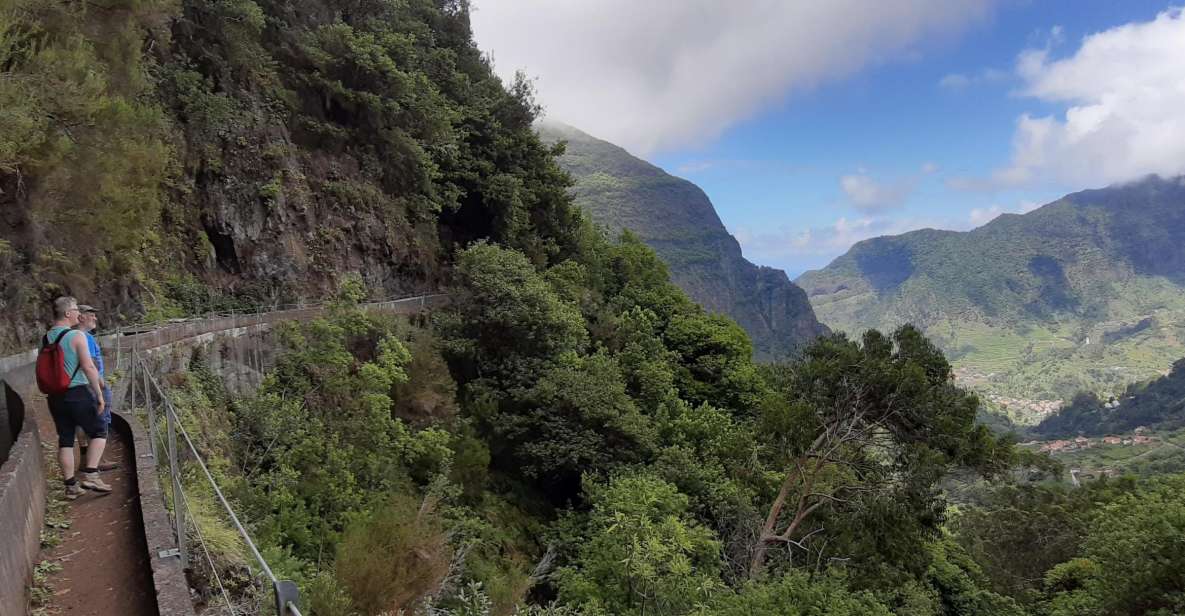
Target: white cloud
x: 868, y: 195
x: 667, y: 73
x: 981, y: 216
x: 960, y: 81
x: 1124, y: 89
x: 696, y: 167
x: 954, y: 81
x: 800, y: 249
x: 929, y: 168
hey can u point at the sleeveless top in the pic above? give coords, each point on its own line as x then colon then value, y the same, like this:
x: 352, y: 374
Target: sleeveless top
x: 70, y: 354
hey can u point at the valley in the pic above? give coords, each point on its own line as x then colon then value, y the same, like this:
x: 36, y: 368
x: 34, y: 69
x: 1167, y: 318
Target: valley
x: 595, y: 404
x: 1083, y: 294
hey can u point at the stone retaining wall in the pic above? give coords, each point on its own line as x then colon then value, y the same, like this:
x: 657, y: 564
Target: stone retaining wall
x: 22, y: 506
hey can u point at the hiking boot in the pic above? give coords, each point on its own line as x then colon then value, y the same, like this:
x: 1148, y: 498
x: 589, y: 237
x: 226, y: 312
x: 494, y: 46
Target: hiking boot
x: 73, y: 491
x: 108, y: 466
x: 91, y: 481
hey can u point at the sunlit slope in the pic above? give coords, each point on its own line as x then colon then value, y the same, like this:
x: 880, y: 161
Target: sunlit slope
x: 1087, y: 292
x: 675, y: 218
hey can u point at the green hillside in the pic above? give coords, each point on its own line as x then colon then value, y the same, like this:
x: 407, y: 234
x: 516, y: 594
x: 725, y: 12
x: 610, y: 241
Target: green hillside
x: 1085, y: 293
x: 674, y: 217
x: 1159, y: 404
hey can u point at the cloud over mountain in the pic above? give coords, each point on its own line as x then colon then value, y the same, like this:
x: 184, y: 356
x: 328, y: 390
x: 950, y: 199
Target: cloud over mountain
x: 667, y: 73
x: 867, y: 194
x: 1124, y: 91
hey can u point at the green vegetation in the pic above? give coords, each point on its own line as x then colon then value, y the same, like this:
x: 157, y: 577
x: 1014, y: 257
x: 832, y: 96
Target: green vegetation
x: 257, y: 151
x: 1083, y: 294
x: 1159, y: 404
x: 1111, y: 547
x: 608, y: 448
x: 607, y: 443
x: 676, y: 219
x: 572, y: 435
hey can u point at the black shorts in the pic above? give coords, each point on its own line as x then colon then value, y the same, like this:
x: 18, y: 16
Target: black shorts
x: 76, y: 408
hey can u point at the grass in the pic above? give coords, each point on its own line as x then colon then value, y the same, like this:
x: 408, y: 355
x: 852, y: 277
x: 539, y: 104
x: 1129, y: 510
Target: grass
x: 41, y: 591
x: 57, y: 520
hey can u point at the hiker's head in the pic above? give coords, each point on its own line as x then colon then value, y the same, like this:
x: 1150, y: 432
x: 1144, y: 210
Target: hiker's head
x: 88, y: 318
x: 65, y: 311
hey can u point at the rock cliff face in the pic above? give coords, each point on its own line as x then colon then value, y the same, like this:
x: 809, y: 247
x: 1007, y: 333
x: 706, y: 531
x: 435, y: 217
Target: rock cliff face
x: 673, y: 216
x: 203, y: 155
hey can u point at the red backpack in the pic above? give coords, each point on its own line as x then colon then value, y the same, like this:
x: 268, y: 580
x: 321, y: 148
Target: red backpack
x: 51, y: 366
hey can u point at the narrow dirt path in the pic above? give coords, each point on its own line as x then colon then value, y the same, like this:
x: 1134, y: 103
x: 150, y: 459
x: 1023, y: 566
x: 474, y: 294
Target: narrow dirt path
x: 102, y: 555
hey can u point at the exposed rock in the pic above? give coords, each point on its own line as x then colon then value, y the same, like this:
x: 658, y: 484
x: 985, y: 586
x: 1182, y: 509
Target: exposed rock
x: 673, y: 216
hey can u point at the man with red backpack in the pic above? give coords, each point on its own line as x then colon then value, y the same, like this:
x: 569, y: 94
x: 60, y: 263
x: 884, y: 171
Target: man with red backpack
x: 68, y: 376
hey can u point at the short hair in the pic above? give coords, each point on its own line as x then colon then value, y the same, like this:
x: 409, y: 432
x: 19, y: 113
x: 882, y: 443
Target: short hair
x: 62, y: 305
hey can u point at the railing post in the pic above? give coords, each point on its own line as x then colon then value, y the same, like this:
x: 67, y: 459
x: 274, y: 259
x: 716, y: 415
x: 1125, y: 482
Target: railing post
x: 132, y: 381
x: 286, y: 594
x: 149, y: 411
x: 174, y: 471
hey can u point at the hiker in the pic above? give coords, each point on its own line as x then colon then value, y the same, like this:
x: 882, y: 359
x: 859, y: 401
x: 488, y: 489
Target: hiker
x: 88, y: 321
x: 67, y: 374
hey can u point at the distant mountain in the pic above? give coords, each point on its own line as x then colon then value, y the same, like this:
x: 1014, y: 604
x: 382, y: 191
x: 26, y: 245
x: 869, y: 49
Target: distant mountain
x: 1085, y: 293
x: 675, y: 217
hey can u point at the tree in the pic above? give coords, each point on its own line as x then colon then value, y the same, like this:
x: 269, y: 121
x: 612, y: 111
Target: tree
x: 795, y: 594
x: 1133, y: 559
x: 714, y: 361
x: 577, y: 418
x: 867, y: 429
x: 642, y: 553
x: 506, y: 324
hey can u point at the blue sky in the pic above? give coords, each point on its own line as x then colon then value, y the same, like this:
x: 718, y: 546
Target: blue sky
x: 870, y: 125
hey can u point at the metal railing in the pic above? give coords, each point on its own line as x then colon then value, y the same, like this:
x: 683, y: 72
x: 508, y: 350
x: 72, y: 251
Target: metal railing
x: 125, y: 337
x: 287, y: 595
x: 255, y: 311
x: 155, y: 400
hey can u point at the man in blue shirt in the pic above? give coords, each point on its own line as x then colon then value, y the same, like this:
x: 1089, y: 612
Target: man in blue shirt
x: 88, y: 321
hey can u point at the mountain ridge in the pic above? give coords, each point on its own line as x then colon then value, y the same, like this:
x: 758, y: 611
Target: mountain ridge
x: 676, y: 218
x: 1085, y: 292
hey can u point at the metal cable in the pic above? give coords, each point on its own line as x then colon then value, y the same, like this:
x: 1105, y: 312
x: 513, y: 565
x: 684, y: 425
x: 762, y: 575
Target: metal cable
x: 171, y: 411
x: 209, y: 560
x: 202, y: 464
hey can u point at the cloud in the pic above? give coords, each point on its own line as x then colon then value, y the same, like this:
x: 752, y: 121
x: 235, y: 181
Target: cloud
x: 960, y: 81
x: 954, y: 81
x: 696, y: 167
x: 981, y: 216
x: 868, y: 195
x: 1124, y: 92
x: 797, y: 249
x: 668, y: 73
